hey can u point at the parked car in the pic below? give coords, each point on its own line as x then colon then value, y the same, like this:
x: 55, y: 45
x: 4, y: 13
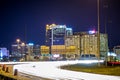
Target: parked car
x: 88, y: 57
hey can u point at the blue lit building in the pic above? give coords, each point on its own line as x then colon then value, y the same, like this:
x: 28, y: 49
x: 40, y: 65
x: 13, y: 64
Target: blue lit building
x: 55, y: 34
x: 4, y: 53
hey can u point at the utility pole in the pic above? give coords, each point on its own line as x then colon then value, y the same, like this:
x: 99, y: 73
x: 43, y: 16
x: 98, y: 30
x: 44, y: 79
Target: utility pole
x: 98, y: 33
x: 106, y: 44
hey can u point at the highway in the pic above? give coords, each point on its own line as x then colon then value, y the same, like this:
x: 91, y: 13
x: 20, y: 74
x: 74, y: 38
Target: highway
x: 51, y: 70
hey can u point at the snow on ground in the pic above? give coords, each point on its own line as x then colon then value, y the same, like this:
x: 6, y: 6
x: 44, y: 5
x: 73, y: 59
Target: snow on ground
x: 51, y: 70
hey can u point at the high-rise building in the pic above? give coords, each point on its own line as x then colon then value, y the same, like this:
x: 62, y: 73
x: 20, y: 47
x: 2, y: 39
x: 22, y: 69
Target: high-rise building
x: 86, y: 43
x: 55, y: 34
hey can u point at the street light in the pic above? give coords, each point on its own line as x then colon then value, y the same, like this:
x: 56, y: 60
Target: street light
x: 22, y: 44
x: 17, y: 40
x: 18, y: 43
x: 23, y: 50
x: 98, y: 39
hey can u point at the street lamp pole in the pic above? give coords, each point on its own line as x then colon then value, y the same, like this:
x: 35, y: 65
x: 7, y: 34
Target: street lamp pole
x: 98, y: 23
x: 18, y: 46
x: 18, y: 41
x: 22, y: 49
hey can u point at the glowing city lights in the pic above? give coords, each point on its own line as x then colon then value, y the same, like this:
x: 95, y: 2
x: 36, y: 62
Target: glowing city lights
x: 30, y: 44
x: 92, y: 31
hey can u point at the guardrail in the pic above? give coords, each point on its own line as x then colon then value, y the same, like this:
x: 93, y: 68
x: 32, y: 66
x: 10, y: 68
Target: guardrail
x: 7, y: 73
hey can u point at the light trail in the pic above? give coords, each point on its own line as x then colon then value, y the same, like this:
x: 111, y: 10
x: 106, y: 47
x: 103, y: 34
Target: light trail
x: 51, y: 70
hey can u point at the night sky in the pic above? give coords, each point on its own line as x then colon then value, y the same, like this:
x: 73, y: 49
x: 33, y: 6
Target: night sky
x: 26, y: 19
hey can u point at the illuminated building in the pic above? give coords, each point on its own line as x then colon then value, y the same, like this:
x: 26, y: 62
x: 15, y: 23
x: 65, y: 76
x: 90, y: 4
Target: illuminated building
x: 58, y: 49
x: 72, y: 44
x: 15, y: 51
x: 55, y: 34
x: 55, y: 39
x: 86, y: 43
x: 30, y: 55
x: 44, y: 50
x: 36, y: 50
x: 4, y: 53
x: 116, y: 50
x: 18, y: 51
x: 25, y: 51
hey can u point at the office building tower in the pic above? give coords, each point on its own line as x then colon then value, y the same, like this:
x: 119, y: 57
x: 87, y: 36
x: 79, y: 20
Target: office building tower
x: 55, y: 34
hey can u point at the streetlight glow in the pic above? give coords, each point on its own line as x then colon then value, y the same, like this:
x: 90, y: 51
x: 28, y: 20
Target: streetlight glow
x: 22, y: 44
x: 18, y: 40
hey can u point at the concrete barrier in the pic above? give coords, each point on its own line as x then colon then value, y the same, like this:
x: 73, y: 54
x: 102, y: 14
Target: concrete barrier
x: 7, y: 69
x: 0, y: 65
x: 7, y: 73
x: 3, y: 67
x: 15, y: 72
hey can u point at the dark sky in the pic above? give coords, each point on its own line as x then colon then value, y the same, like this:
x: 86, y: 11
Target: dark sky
x: 29, y: 17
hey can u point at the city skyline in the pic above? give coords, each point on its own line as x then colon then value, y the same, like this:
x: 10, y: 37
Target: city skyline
x: 26, y: 19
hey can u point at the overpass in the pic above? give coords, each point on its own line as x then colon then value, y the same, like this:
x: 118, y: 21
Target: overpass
x: 51, y: 70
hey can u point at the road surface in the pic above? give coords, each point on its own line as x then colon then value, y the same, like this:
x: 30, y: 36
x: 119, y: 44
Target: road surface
x: 51, y: 70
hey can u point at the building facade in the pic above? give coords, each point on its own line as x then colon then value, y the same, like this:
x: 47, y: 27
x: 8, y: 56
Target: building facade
x: 72, y: 44
x: 4, y: 53
x: 25, y: 51
x: 44, y: 50
x: 87, y: 43
x: 61, y: 40
x: 55, y: 34
x: 116, y: 50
